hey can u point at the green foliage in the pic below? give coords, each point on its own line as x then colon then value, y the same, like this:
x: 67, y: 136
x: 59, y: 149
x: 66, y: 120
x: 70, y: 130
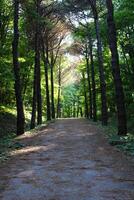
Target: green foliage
x: 72, y: 94
x: 7, y: 120
x: 124, y: 143
x: 5, y: 146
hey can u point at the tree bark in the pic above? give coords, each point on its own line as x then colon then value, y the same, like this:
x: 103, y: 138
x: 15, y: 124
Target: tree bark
x: 85, y: 96
x: 39, y: 98
x: 74, y: 109
x: 59, y: 93
x: 104, y: 114
x: 93, y: 81
x: 89, y: 85
x: 34, y: 100
x: 17, y: 86
x: 46, y: 63
x: 52, y: 88
x: 121, y: 110
x: 37, y: 101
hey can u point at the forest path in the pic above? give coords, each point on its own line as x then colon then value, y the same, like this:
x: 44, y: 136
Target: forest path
x: 68, y: 160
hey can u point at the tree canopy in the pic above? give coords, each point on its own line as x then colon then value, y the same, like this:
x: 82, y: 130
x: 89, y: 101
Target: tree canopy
x: 68, y: 58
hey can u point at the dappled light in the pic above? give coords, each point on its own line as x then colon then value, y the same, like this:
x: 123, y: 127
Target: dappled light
x: 69, y: 160
x: 31, y: 149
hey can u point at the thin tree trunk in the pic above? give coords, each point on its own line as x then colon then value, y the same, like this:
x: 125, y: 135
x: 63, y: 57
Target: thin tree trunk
x: 45, y: 60
x: 78, y: 110
x: 34, y: 100
x: 85, y: 96
x: 74, y: 109
x: 59, y: 91
x: 122, y: 119
x: 39, y: 98
x: 78, y: 107
x: 52, y: 93
x: 89, y: 86
x: 93, y: 81
x: 104, y: 114
x: 18, y: 89
x: 81, y: 112
x: 102, y: 76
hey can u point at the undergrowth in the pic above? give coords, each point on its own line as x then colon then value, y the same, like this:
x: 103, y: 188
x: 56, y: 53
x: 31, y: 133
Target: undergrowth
x: 8, y: 140
x: 124, y: 143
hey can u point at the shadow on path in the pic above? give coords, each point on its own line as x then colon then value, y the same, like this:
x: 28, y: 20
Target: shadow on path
x: 68, y: 160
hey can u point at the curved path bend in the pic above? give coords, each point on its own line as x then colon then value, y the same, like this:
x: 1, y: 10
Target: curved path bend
x: 68, y: 160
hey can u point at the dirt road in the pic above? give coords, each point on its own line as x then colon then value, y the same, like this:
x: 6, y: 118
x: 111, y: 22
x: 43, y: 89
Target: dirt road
x: 68, y: 160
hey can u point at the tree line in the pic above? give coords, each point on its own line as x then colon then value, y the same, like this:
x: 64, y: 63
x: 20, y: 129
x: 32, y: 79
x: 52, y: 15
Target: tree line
x: 33, y: 40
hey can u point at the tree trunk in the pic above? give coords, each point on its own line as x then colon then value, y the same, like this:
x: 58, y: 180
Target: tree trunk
x: 81, y: 112
x: 74, y: 109
x: 59, y: 93
x: 122, y: 121
x: 52, y: 93
x: 46, y: 63
x: 18, y: 90
x: 39, y: 98
x: 85, y: 96
x: 37, y: 102
x: 104, y: 114
x: 89, y: 85
x: 93, y: 81
x: 102, y: 76
x: 34, y: 100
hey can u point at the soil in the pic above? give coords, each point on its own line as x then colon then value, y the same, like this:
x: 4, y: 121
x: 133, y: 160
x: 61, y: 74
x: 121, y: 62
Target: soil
x: 68, y: 160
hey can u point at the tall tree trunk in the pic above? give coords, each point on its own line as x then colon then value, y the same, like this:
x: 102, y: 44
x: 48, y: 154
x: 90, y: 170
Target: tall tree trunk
x: 102, y: 77
x: 78, y: 109
x: 34, y: 100
x: 39, y: 98
x: 52, y: 93
x: 37, y: 102
x: 46, y: 63
x: 93, y: 81
x: 122, y: 121
x: 89, y: 85
x: 59, y: 93
x: 104, y: 116
x: 18, y: 89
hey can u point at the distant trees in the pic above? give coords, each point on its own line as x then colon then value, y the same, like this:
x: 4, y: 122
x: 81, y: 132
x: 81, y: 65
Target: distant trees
x: 96, y: 12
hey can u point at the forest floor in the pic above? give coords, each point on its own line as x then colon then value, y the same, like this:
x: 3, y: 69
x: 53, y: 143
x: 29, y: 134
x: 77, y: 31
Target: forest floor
x: 67, y: 160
